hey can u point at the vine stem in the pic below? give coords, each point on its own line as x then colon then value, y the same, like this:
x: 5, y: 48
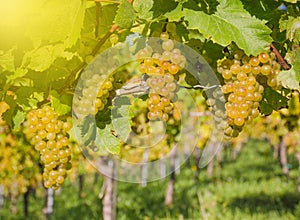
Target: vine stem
x: 142, y: 87
x: 279, y: 57
x: 106, y: 1
x: 200, y: 87
x: 100, y: 43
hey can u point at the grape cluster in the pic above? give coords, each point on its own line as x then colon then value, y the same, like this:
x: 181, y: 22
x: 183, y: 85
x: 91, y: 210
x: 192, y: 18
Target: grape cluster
x: 49, y: 136
x: 161, y: 68
x: 162, y: 94
x: 244, y: 81
x: 91, y: 103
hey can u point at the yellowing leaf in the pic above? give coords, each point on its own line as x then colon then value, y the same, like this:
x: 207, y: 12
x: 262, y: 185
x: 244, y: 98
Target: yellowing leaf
x: 288, y: 78
x: 3, y: 108
x: 7, y: 60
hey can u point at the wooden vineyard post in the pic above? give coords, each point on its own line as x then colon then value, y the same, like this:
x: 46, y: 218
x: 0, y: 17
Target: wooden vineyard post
x: 170, y: 189
x: 283, y: 157
x: 110, y: 193
x: 49, y: 203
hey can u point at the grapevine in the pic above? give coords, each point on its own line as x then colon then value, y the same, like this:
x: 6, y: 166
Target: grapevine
x: 141, y: 78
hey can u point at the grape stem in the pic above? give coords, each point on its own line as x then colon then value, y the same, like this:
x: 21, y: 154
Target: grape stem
x: 280, y: 58
x: 200, y: 87
x: 106, y: 1
x: 141, y: 87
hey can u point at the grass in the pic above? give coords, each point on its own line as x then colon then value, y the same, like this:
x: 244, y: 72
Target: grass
x: 251, y: 187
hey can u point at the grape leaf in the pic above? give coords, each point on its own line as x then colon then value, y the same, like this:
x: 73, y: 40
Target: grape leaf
x: 108, y: 140
x: 88, y: 129
x: 292, y: 28
x: 24, y: 96
x: 61, y: 103
x: 7, y: 60
x: 121, y: 117
x: 265, y: 108
x: 272, y: 100
x: 289, y: 78
x: 176, y: 14
x: 42, y: 58
x: 20, y: 72
x: 57, y: 21
x: 264, y: 9
x: 8, y: 115
x: 3, y: 108
x: 18, y: 119
x: 106, y: 18
x: 291, y: 1
x: 163, y: 6
x: 231, y: 22
x: 125, y: 15
x: 143, y: 7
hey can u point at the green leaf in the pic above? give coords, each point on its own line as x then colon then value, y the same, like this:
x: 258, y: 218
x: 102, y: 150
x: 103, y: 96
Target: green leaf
x: 143, y: 7
x: 24, y: 95
x: 109, y: 141
x: 121, y: 117
x: 265, y: 108
x: 292, y: 27
x: 9, y: 114
x: 7, y: 60
x: 194, y: 34
x: 161, y: 7
x: 57, y: 21
x: 125, y: 15
x: 272, y: 100
x: 18, y: 119
x: 176, y: 14
x: 42, y: 58
x: 61, y: 103
x: 289, y: 78
x: 291, y: 1
x: 87, y: 131
x: 231, y: 23
x: 106, y: 18
x: 20, y: 72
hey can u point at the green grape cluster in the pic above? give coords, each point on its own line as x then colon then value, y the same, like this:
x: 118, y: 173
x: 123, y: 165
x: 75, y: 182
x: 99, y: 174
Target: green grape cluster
x: 244, y: 81
x: 49, y: 136
x: 161, y: 68
x: 90, y: 103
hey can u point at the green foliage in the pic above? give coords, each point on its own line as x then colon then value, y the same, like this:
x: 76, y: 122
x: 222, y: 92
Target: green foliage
x: 142, y: 8
x: 272, y: 101
x: 108, y: 140
x: 121, y: 117
x: 7, y: 60
x: 161, y: 7
x: 251, y: 187
x: 231, y: 23
x: 61, y: 103
x: 107, y: 14
x: 292, y: 28
x: 58, y: 21
x: 125, y: 15
x: 44, y: 50
x: 289, y: 78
